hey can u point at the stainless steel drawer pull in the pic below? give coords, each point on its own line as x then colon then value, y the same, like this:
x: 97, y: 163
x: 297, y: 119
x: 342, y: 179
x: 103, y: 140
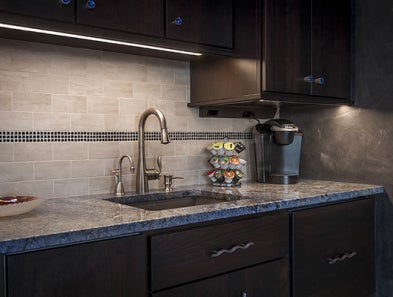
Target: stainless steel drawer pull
x: 341, y: 258
x: 242, y: 246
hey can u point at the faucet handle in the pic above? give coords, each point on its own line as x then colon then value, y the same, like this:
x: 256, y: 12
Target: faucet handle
x: 115, y: 172
x: 155, y: 173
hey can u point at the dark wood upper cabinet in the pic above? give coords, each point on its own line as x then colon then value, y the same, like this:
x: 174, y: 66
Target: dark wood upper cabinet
x: 60, y: 10
x: 135, y: 16
x: 115, y: 267
x: 287, y: 46
x: 200, y: 21
x: 308, y: 47
x: 331, y: 48
x: 296, y: 51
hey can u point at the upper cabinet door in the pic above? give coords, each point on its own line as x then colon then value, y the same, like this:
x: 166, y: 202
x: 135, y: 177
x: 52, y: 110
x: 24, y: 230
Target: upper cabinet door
x: 307, y: 47
x: 135, y: 16
x: 287, y: 46
x: 331, y: 48
x: 61, y: 10
x: 200, y: 21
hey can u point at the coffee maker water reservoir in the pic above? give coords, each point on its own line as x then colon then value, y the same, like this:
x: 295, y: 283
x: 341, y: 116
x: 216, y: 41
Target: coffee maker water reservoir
x: 278, y: 145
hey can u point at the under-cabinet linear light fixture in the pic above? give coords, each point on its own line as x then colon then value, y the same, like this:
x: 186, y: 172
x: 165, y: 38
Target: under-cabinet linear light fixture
x: 97, y: 39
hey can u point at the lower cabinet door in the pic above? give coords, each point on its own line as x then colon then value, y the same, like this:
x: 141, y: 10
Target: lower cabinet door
x: 265, y: 280
x: 333, y: 253
x: 108, y: 268
x: 212, y: 287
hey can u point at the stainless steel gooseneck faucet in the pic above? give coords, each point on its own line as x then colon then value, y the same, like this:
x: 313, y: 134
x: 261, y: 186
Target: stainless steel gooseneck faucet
x: 143, y: 174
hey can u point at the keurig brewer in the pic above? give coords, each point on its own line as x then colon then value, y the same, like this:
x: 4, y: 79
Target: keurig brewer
x: 278, y: 145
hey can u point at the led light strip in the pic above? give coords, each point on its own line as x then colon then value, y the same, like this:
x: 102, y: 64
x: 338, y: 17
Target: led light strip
x: 97, y: 39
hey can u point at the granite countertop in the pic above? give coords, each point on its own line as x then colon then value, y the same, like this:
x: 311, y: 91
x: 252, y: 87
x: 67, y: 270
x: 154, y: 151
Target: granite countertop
x: 61, y: 221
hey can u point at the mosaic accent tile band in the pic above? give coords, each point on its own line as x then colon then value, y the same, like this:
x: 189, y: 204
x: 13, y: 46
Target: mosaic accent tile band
x: 53, y: 136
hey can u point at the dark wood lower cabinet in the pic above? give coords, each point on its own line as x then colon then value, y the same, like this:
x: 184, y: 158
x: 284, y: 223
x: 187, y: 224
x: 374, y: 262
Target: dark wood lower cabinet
x: 333, y: 252
x: 267, y: 280
x: 212, y: 287
x: 108, y: 268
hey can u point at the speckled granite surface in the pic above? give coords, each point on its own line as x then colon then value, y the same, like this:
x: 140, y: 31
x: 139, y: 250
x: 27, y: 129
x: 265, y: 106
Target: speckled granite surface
x: 76, y: 219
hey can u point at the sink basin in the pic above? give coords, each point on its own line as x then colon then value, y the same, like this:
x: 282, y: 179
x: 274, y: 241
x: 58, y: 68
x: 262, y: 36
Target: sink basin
x: 165, y: 201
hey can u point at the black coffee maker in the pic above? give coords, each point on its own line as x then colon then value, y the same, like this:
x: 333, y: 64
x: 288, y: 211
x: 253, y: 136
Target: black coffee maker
x: 278, y: 145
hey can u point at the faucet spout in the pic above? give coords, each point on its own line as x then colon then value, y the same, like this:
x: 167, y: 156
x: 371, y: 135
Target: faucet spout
x: 143, y: 174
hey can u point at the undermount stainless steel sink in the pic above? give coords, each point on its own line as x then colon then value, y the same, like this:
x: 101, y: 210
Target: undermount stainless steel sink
x: 165, y: 201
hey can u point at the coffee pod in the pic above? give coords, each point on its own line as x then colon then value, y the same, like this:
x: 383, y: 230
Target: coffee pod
x: 211, y: 149
x: 229, y: 175
x: 214, y: 162
x: 219, y: 175
x: 218, y: 148
x: 234, y: 162
x: 229, y: 147
x: 238, y: 175
x: 239, y: 147
x: 242, y: 163
x: 224, y: 162
x: 210, y: 174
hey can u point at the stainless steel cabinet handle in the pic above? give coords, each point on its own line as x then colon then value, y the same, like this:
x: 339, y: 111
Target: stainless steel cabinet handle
x: 341, y: 258
x: 319, y: 81
x: 242, y: 246
x: 308, y: 79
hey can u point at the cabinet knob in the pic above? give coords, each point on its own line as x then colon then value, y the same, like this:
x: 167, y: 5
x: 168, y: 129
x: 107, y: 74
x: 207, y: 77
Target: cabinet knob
x: 65, y: 2
x: 90, y: 4
x: 308, y: 79
x: 319, y: 81
x: 177, y: 21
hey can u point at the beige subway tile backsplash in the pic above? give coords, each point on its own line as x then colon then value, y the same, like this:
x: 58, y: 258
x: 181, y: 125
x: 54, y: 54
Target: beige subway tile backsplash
x: 86, y: 86
x: 100, y: 185
x: 52, y: 170
x: 38, y: 151
x: 174, y: 92
x: 119, y: 122
x: 55, y: 90
x: 69, y: 103
x: 20, y: 171
x: 87, y: 122
x: 16, y: 121
x: 46, y: 121
x: 53, y: 84
x: 6, y: 152
x: 70, y: 187
x: 87, y: 168
x: 27, y: 101
x: 14, y: 81
x: 103, y: 150
x: 102, y: 105
x: 5, y: 101
x: 118, y: 88
x: 39, y: 188
x: 70, y: 151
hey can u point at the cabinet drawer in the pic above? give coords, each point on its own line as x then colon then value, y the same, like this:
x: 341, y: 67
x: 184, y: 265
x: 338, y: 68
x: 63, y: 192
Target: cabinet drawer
x: 334, y: 250
x: 187, y: 255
